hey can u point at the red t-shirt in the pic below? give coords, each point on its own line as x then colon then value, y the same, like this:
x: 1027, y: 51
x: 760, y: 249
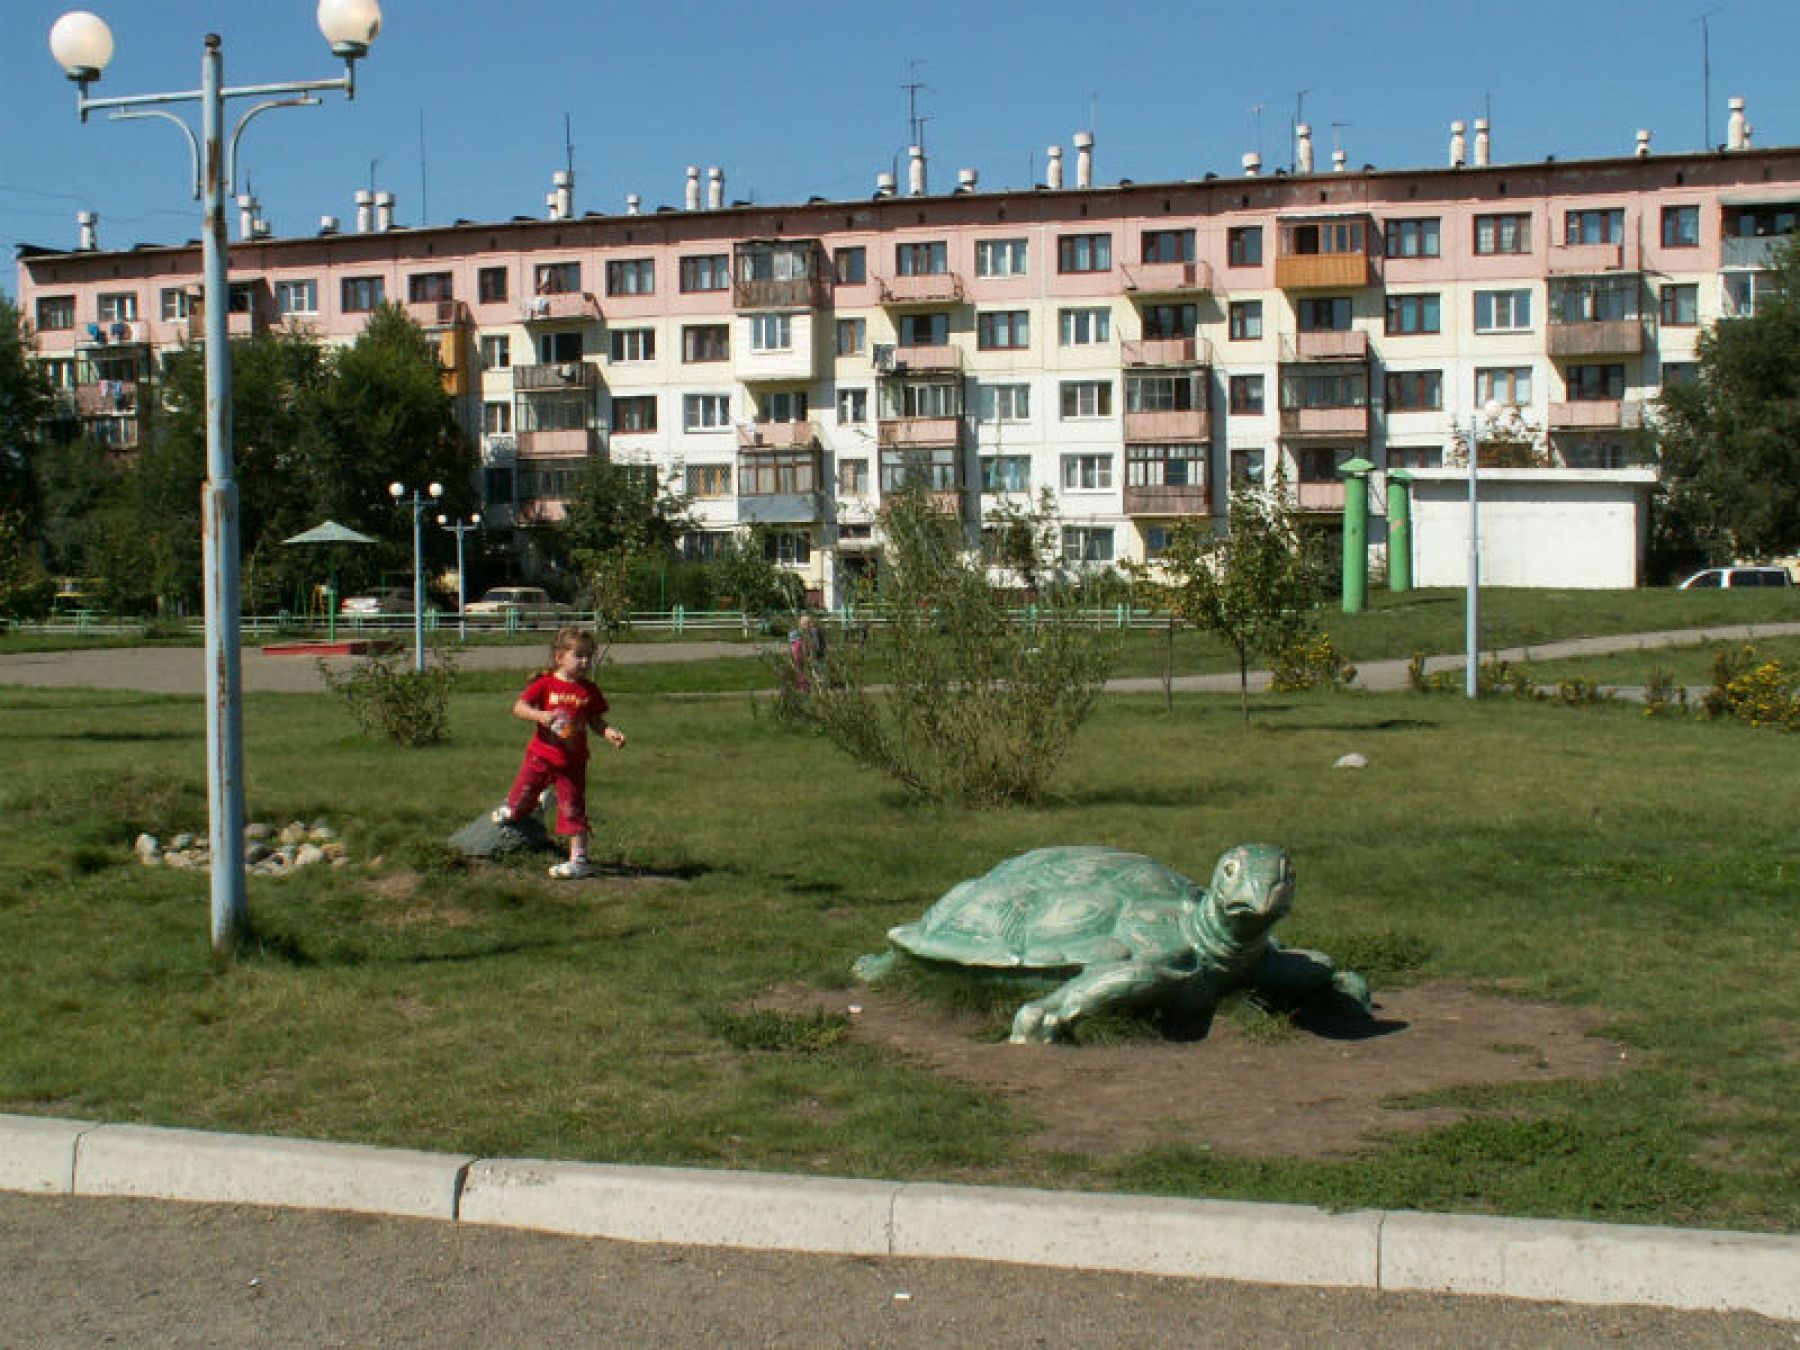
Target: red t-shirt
x: 578, y: 700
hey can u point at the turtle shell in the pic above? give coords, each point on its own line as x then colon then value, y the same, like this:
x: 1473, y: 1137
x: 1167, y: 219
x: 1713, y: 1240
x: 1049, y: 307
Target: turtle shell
x: 1052, y: 908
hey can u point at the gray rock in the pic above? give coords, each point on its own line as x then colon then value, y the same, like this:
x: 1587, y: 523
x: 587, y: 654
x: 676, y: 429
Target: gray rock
x: 147, y: 848
x: 256, y: 852
x: 481, y: 838
x: 180, y: 842
x: 1352, y: 761
x: 258, y: 830
x: 309, y: 855
x: 293, y: 833
x: 321, y: 834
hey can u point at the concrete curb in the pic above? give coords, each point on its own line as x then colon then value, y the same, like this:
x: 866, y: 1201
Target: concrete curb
x: 1268, y: 1244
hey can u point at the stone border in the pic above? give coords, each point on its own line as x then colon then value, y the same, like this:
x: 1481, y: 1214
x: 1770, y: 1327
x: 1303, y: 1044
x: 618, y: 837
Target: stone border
x: 1227, y: 1240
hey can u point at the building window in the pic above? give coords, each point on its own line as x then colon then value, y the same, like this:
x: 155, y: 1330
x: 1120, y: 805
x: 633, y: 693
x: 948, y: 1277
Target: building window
x: 1681, y: 227
x: 425, y: 287
x: 1247, y: 466
x: 1006, y: 473
x: 1677, y: 373
x: 788, y: 546
x: 490, y: 285
x: 705, y: 342
x: 1085, y: 327
x: 850, y: 266
x: 852, y: 407
x: 557, y: 278
x: 921, y: 398
x: 631, y: 276
x: 705, y: 412
x: 297, y: 297
x: 1325, y: 313
x: 1320, y: 386
x: 240, y: 297
x: 706, y: 272
x: 1086, y: 398
x: 1594, y: 383
x: 55, y: 313
x: 1168, y: 246
x: 771, y: 332
x: 777, y: 473
x: 359, y: 295
x: 853, y: 477
x: 927, y: 259
x: 1594, y: 299
x: 1321, y: 238
x: 1087, y: 544
x: 1680, y: 306
x: 1181, y: 465
x: 1084, y: 253
x: 1184, y: 392
x: 1415, y: 457
x: 1502, y: 311
x: 789, y: 405
x: 634, y: 413
x: 924, y: 330
x: 1001, y: 257
x: 708, y: 482
x: 1503, y: 234
x: 117, y: 306
x: 496, y: 352
x: 1415, y: 390
x: 555, y: 349
x: 1246, y: 395
x: 1412, y: 238
x: 1004, y: 402
x: 1171, y: 321
x: 1743, y: 291
x: 1087, y: 473
x: 1245, y: 320
x: 852, y: 337
x: 632, y: 344
x: 1243, y: 246
x: 175, y: 304
x: 1598, y: 226
x: 496, y: 419
x: 1003, y: 330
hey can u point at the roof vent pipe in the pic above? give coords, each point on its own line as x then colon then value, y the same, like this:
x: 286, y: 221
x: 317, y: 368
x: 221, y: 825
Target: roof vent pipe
x: 1303, y: 148
x: 365, y: 210
x: 632, y: 203
x: 246, y: 205
x: 1084, y: 159
x: 915, y: 171
x: 966, y: 180
x: 1252, y: 164
x: 259, y: 229
x: 715, y: 188
x: 87, y: 223
x: 1053, y: 169
x: 1340, y: 160
x: 1459, y: 145
x: 384, y: 212
x: 1482, y: 143
x: 1643, y: 145
x: 693, y: 188
x: 1737, y: 130
x: 564, y: 182
x: 884, y: 184
x: 550, y: 206
x: 328, y: 224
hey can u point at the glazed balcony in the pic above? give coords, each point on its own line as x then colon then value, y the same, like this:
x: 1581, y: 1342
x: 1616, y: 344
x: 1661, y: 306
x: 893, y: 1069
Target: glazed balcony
x: 1595, y: 414
x: 1344, y: 423
x: 1183, y: 427
x: 1168, y: 278
x: 565, y: 443
x: 1167, y: 501
x: 1757, y: 252
x: 781, y: 487
x: 561, y: 307
x: 804, y: 280
x: 1171, y: 351
x: 1601, y: 337
x: 556, y: 376
x: 918, y: 433
x: 929, y: 288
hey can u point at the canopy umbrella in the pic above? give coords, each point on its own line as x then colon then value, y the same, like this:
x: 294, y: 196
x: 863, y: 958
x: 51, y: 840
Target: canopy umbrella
x: 331, y: 533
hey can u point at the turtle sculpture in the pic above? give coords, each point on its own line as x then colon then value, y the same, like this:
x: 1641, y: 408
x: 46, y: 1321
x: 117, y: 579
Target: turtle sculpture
x: 1126, y: 930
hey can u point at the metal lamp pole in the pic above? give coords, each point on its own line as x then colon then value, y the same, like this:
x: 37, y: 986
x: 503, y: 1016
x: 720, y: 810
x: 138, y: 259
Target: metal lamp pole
x: 418, y: 504
x: 83, y: 45
x: 1479, y: 421
x: 459, y: 529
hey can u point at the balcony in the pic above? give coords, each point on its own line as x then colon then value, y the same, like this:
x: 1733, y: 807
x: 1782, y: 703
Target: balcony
x: 1581, y: 259
x: 1183, y: 427
x: 497, y: 450
x: 781, y: 487
x: 499, y: 515
x: 570, y: 443
x: 1596, y: 414
x: 926, y: 359
x: 1324, y: 271
x: 931, y: 288
x: 918, y: 433
x: 1167, y: 501
x: 1318, y: 497
x: 559, y: 375
x: 114, y: 333
x: 1171, y: 351
x: 1602, y: 337
x: 1168, y: 278
x: 431, y: 314
x: 561, y: 307
x: 1345, y: 345
x: 1345, y: 423
x: 107, y: 396
x: 1751, y: 251
x: 777, y: 435
x: 804, y: 280
x: 541, y: 511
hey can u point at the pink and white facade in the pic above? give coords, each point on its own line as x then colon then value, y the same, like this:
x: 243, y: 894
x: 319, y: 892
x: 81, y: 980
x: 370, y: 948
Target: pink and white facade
x: 1130, y: 348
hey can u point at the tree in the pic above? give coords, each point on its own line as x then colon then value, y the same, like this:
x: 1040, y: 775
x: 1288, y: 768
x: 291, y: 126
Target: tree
x: 621, y: 516
x: 1730, y: 439
x: 24, y: 399
x: 745, y: 570
x: 1257, y: 587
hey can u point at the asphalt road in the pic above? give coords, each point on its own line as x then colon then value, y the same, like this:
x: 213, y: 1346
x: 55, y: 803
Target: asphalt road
x: 87, y: 1272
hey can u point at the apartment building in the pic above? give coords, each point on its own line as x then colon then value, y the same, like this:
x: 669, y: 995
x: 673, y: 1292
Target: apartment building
x: 1131, y: 347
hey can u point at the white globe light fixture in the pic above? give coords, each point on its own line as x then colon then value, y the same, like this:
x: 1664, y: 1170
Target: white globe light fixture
x: 82, y: 45
x: 350, y: 26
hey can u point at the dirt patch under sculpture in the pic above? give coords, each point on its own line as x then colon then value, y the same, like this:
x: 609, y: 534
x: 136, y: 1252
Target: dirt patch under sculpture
x: 1308, y: 1095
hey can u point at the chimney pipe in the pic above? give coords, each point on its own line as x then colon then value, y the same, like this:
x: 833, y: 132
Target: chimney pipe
x: 915, y: 171
x: 1084, y: 159
x: 384, y: 212
x: 884, y: 184
x: 1303, y: 149
x: 328, y: 224
x: 1053, y: 169
x: 966, y: 180
x: 1459, y: 145
x: 564, y: 182
x: 715, y: 188
x: 1643, y: 145
x: 1482, y: 143
x: 87, y: 223
x: 632, y: 202
x: 365, y: 210
x: 1340, y: 160
x: 1252, y: 164
x: 1737, y: 130
x: 693, y: 188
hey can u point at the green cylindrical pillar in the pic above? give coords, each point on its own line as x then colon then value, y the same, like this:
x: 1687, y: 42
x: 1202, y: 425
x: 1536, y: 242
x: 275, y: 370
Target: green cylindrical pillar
x: 1399, y: 514
x: 1356, y: 534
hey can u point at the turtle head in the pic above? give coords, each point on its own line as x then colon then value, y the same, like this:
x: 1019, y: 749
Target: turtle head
x: 1252, y: 887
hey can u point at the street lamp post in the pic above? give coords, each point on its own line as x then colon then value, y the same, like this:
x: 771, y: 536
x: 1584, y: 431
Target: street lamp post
x: 418, y: 504
x: 459, y: 529
x: 1492, y: 418
x: 83, y: 45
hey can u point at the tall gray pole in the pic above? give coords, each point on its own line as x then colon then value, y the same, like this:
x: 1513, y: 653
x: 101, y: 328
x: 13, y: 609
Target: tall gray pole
x: 418, y: 508
x: 219, y: 515
x: 1472, y: 679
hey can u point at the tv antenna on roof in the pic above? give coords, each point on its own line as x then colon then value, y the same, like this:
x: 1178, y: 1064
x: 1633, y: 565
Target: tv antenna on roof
x: 1706, y: 142
x: 915, y: 124
x: 568, y: 145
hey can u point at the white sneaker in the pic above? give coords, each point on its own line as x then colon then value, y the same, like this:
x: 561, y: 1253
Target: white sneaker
x: 501, y: 815
x: 572, y: 870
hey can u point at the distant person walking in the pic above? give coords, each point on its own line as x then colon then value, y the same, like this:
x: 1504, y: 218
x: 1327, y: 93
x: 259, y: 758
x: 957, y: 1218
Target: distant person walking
x: 806, y: 644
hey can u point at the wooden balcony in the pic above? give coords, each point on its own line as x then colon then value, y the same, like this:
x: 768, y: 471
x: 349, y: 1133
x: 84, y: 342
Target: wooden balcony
x: 561, y: 375
x: 1167, y: 501
x: 432, y: 314
x: 1168, y: 278
x: 561, y: 307
x: 1345, y: 345
x: 777, y: 435
x: 931, y: 288
x: 1176, y: 351
x: 575, y: 443
x: 784, y: 293
x: 910, y: 433
x: 1580, y: 259
x: 1324, y: 271
x: 1605, y: 337
x: 1345, y: 423
x: 1185, y: 427
x: 1595, y: 414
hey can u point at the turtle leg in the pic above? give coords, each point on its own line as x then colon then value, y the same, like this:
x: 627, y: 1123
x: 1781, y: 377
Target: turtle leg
x: 1051, y: 1017
x: 874, y: 966
x: 1297, y: 974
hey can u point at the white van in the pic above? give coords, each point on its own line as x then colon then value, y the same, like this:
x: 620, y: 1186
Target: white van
x: 1716, y: 578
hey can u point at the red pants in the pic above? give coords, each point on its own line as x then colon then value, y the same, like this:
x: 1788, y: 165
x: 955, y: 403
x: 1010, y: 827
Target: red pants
x: 570, y: 781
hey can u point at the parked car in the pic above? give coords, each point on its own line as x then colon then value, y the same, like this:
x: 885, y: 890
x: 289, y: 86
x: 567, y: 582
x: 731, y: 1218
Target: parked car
x: 529, y: 606
x: 378, y: 600
x: 1716, y: 578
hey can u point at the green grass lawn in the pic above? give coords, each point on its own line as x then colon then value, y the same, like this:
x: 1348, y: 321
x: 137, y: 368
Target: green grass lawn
x: 1641, y: 867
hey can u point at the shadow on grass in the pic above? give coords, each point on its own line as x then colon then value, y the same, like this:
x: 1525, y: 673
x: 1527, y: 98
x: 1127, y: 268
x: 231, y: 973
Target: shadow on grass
x: 127, y: 737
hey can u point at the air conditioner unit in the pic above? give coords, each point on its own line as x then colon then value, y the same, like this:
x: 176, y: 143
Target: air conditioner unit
x: 883, y: 356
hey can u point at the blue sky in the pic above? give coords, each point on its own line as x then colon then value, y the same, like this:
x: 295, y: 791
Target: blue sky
x: 461, y: 107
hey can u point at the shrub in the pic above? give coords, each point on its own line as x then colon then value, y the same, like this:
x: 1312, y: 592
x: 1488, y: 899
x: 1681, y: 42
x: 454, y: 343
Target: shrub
x: 1760, y: 693
x: 1309, y: 663
x: 386, y: 697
